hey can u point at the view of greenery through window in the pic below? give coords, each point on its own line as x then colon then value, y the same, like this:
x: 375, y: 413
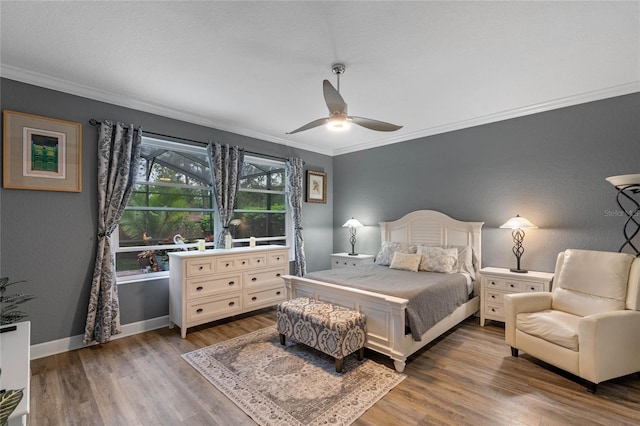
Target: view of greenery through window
x: 172, y: 206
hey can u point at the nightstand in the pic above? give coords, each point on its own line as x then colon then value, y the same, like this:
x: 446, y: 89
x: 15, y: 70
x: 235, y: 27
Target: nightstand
x: 496, y: 282
x: 344, y: 260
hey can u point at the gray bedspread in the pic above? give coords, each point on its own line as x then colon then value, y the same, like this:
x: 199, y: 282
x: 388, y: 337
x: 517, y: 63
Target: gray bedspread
x: 432, y: 296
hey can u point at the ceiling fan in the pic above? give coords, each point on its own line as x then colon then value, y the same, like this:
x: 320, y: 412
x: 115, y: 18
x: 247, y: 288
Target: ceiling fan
x: 338, y: 118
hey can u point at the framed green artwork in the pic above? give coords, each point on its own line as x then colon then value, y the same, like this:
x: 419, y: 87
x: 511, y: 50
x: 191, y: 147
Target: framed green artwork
x: 41, y: 153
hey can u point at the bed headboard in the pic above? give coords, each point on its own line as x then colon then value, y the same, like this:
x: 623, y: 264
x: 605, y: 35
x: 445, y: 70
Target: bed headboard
x: 430, y: 227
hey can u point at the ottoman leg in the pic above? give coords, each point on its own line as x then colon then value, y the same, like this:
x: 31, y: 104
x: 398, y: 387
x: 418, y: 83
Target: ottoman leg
x: 339, y: 364
x: 361, y: 354
x: 283, y: 338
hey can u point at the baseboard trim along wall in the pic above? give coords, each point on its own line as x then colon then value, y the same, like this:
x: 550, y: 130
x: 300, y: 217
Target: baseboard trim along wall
x: 54, y: 347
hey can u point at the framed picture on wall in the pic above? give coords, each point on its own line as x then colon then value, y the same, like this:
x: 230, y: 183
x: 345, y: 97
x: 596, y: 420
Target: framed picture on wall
x: 316, y: 187
x: 41, y: 153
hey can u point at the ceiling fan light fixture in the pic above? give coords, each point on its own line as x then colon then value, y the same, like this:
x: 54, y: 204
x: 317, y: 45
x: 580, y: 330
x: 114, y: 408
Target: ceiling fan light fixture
x: 338, y: 124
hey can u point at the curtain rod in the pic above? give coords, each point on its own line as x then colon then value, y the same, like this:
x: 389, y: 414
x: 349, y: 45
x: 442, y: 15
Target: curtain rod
x: 95, y: 122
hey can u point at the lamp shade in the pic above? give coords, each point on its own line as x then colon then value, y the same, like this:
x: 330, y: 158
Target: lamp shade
x: 353, y: 223
x: 518, y: 222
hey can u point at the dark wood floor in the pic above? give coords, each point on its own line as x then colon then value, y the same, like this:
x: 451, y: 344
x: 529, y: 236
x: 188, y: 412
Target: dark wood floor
x: 466, y: 377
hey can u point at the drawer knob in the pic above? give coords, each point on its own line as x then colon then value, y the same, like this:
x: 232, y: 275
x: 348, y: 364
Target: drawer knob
x: 231, y: 282
x: 244, y: 262
x: 226, y: 265
x: 232, y: 303
x: 345, y: 263
x: 532, y: 288
x: 254, y: 279
x: 278, y: 274
x: 258, y: 261
x: 277, y: 258
x: 200, y: 268
x: 199, y: 288
x: 278, y: 293
x: 199, y: 310
x: 254, y: 298
x: 493, y: 309
x: 493, y: 283
x: 493, y: 296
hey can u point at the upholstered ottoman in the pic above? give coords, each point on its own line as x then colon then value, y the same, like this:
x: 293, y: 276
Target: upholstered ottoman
x: 332, y: 329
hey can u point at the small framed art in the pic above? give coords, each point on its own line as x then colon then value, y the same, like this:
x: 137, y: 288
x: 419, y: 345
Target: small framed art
x: 316, y: 187
x: 41, y: 153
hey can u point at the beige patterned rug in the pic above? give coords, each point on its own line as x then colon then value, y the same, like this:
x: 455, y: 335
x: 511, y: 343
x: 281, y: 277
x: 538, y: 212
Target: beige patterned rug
x: 292, y: 384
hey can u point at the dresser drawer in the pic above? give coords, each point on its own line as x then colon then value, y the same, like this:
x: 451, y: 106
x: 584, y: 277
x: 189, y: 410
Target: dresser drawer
x: 199, y: 310
x: 263, y: 277
x: 202, y: 287
x: 532, y: 287
x: 269, y: 296
x: 199, y: 267
x: 514, y: 286
x: 234, y: 263
x: 258, y: 260
x: 276, y: 259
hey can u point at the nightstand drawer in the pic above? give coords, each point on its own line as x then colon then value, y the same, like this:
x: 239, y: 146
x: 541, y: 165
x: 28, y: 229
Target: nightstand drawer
x: 491, y: 310
x: 532, y: 287
x: 493, y: 296
x: 515, y: 286
x: 495, y: 283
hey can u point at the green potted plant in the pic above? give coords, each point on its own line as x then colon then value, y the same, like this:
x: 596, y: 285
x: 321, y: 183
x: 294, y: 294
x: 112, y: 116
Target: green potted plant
x: 9, y: 314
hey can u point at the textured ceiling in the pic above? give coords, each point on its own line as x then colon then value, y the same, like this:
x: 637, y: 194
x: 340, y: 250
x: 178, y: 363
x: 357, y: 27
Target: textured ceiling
x: 256, y: 68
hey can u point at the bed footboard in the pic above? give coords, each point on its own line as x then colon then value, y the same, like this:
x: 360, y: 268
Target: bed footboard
x: 385, y: 314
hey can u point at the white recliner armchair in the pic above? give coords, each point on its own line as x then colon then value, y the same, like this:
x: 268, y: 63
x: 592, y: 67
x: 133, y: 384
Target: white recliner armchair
x: 589, y: 325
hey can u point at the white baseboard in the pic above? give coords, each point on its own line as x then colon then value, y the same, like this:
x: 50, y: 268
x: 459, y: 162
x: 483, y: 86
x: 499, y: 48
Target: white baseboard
x: 53, y: 347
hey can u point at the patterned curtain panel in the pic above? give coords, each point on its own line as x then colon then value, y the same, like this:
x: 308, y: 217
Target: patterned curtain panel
x: 118, y: 161
x: 294, y: 190
x: 226, y: 167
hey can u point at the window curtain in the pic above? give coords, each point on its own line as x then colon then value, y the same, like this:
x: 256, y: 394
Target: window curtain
x: 118, y: 162
x: 294, y: 190
x: 226, y: 167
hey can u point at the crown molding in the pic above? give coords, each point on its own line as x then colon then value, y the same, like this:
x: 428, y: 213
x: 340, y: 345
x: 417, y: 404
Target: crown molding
x: 42, y: 80
x: 596, y: 95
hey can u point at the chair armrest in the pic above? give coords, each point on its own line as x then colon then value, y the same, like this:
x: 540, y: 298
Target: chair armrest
x: 517, y: 303
x: 609, y: 345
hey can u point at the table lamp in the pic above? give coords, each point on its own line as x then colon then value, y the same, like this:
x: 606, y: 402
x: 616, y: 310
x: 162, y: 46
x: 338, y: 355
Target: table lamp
x: 517, y: 224
x: 352, y: 224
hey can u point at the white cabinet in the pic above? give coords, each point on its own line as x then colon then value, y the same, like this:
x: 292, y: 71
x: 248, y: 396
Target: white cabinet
x: 210, y: 285
x: 15, y: 356
x: 496, y: 282
x: 345, y: 260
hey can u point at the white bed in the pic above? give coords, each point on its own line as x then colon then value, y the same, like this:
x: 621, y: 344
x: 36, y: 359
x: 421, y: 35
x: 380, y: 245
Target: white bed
x: 386, y: 316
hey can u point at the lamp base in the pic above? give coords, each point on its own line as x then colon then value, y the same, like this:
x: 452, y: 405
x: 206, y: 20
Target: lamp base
x: 520, y: 271
x: 353, y: 254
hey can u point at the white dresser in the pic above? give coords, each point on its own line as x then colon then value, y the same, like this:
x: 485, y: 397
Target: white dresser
x: 210, y: 285
x: 15, y: 359
x: 345, y: 260
x: 496, y: 282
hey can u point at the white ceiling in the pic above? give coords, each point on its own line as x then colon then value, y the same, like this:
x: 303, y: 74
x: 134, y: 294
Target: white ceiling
x: 256, y: 68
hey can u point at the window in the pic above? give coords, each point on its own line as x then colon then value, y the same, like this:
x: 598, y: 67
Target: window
x: 172, y: 206
x: 261, y: 210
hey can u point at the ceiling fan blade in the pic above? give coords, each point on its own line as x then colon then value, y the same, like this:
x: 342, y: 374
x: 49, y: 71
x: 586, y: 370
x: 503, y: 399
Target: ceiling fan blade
x: 380, y: 126
x: 314, y: 123
x: 334, y: 100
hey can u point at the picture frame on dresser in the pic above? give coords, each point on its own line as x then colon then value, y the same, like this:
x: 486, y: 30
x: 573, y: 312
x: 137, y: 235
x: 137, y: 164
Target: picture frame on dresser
x: 316, y: 187
x: 41, y: 153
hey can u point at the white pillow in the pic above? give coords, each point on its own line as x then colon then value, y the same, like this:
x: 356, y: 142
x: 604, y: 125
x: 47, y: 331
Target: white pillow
x: 467, y: 261
x: 387, y: 250
x: 438, y: 259
x: 405, y: 261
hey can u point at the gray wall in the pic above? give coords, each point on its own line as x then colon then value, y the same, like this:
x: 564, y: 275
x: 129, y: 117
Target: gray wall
x: 49, y: 238
x: 548, y: 167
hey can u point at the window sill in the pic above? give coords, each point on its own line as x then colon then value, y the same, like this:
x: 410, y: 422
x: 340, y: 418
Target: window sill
x: 154, y: 276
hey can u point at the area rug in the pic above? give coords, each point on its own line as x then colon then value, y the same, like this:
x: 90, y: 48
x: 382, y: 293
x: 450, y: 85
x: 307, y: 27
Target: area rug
x: 291, y: 384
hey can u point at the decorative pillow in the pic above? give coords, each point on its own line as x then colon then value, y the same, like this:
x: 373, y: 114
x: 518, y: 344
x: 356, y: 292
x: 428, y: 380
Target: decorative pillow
x: 387, y: 250
x: 405, y: 261
x: 467, y: 260
x: 438, y: 259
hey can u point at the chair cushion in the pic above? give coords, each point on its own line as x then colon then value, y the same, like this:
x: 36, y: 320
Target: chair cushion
x: 560, y: 328
x: 591, y: 282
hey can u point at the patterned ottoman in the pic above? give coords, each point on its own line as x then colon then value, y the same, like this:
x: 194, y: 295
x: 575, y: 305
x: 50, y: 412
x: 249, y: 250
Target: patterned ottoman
x: 332, y: 329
